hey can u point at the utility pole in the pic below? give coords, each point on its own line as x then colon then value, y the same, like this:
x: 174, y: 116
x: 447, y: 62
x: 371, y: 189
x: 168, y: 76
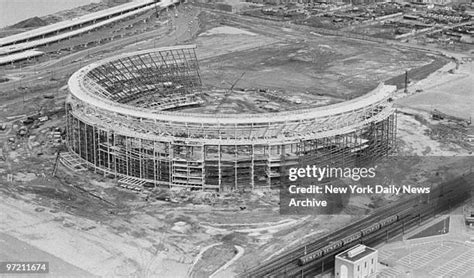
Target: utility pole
x: 56, y: 163
x: 406, y: 81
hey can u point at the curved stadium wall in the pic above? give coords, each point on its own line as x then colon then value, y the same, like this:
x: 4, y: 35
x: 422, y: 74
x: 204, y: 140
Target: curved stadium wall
x: 118, y: 124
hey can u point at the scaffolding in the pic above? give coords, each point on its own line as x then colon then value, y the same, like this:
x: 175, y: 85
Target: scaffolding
x: 114, y: 127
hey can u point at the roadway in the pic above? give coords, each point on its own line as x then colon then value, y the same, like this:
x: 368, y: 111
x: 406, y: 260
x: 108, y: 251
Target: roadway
x: 176, y: 33
x: 41, y: 33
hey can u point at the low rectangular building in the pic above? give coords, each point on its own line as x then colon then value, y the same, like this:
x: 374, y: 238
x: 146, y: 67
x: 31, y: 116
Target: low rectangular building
x: 357, y: 262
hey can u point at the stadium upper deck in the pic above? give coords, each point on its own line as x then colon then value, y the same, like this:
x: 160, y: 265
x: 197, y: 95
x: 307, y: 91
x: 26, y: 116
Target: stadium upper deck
x: 87, y: 87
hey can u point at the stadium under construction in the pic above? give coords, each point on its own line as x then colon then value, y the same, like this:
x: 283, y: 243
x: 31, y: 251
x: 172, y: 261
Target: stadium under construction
x: 126, y: 117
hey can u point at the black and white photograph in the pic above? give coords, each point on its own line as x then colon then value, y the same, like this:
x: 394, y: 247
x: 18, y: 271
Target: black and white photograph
x: 236, y: 138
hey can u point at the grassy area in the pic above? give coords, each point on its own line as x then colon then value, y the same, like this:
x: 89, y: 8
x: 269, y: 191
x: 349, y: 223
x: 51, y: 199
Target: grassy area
x: 440, y: 228
x: 418, y: 73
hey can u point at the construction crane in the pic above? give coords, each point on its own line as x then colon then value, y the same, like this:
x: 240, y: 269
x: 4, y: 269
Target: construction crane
x: 229, y: 91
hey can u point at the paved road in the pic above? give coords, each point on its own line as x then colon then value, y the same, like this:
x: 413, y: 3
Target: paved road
x: 67, y: 65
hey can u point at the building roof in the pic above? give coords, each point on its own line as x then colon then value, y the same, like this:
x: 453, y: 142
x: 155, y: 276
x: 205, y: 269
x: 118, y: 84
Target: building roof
x: 356, y: 253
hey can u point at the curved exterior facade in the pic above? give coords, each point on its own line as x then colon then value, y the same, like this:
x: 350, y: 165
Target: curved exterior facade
x: 117, y: 124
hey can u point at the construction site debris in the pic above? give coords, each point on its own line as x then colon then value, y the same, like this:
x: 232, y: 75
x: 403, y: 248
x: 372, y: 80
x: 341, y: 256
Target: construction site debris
x: 438, y: 115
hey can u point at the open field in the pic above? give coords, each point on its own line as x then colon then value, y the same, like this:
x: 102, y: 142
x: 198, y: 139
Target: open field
x: 448, y: 92
x: 337, y: 68
x: 318, y: 70
x: 12, y: 249
x: 439, y: 228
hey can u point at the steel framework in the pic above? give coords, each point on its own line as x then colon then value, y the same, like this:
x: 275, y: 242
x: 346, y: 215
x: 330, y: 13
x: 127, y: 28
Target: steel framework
x: 117, y: 124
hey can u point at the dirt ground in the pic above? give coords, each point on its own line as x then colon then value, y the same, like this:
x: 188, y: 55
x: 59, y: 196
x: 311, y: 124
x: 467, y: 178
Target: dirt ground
x: 448, y: 92
x: 93, y: 226
x: 297, y: 63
